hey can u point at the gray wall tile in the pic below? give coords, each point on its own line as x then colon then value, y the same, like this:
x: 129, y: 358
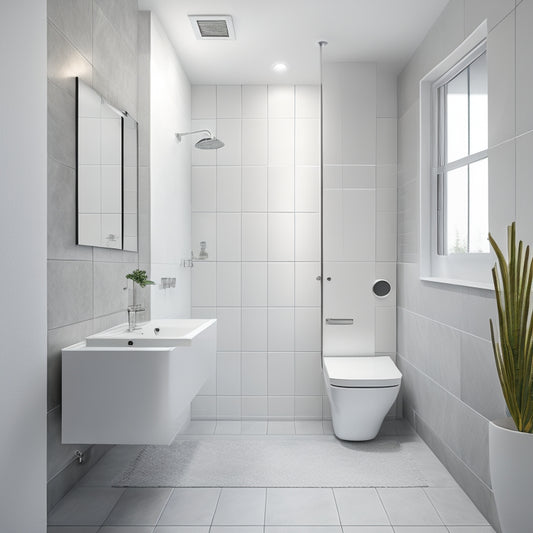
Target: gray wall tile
x: 61, y: 126
x: 74, y: 20
x: 122, y: 14
x: 70, y: 292
x: 58, y: 339
x: 110, y: 282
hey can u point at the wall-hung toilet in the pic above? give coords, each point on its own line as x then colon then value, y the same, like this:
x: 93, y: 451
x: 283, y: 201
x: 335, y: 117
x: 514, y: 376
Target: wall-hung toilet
x: 361, y: 390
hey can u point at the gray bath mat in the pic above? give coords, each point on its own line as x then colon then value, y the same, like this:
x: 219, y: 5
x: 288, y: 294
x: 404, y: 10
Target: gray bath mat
x: 279, y: 462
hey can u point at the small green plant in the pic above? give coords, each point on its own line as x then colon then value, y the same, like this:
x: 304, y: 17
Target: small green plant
x: 140, y: 277
x: 514, y: 351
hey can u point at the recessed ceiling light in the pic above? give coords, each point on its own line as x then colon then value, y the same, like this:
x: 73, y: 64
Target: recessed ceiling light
x: 280, y: 67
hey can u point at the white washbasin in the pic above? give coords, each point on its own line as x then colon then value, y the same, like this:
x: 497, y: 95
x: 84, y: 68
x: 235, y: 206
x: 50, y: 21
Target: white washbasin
x: 155, y: 333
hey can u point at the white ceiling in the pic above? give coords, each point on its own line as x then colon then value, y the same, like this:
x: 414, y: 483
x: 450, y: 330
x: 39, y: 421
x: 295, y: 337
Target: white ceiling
x: 267, y: 31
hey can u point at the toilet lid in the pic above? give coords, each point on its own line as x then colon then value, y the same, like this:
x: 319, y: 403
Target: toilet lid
x: 362, y: 371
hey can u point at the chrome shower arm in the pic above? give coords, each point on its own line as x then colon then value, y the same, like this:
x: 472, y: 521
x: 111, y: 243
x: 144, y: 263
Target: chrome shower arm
x: 180, y: 135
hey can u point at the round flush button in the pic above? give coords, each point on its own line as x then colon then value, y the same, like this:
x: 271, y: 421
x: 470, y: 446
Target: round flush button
x: 381, y: 288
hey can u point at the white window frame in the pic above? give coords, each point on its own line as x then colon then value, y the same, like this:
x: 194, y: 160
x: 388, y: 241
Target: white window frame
x: 469, y: 269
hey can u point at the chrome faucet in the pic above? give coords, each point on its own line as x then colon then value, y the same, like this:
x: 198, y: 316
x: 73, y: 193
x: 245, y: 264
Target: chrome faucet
x: 132, y: 316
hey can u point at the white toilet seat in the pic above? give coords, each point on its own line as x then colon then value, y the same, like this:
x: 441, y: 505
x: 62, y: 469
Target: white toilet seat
x: 361, y: 371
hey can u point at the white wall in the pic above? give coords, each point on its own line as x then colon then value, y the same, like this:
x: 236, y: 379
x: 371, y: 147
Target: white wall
x: 451, y: 389
x: 359, y: 207
x: 256, y: 202
x: 23, y: 267
x: 170, y: 177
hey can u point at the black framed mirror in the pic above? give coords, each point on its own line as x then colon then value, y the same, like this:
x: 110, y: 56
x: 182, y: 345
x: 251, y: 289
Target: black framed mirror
x: 107, y: 173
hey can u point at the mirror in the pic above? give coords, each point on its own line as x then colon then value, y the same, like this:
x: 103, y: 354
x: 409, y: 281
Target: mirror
x: 106, y: 173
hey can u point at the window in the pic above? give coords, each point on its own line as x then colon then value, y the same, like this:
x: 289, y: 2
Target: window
x: 459, y: 159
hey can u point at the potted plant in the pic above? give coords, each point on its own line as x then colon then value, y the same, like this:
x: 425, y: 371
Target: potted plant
x: 140, y: 280
x: 511, y: 439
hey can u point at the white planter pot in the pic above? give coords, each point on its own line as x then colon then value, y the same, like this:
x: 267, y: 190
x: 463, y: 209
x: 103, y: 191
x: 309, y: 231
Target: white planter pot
x: 511, y: 471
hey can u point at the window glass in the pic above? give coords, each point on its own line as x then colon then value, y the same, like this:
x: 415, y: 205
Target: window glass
x: 457, y: 117
x: 457, y: 210
x: 478, y: 105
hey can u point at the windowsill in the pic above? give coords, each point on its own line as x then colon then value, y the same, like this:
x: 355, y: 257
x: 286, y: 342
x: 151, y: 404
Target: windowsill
x: 460, y: 283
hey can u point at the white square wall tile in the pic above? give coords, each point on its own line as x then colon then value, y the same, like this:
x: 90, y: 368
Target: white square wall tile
x: 204, y: 284
x: 254, y: 284
x: 386, y: 141
x: 280, y: 237
x: 228, y: 374
x: 204, y: 228
x: 228, y: 284
x: 229, y: 407
x: 387, y: 176
x: 203, y: 101
x: 307, y: 329
x: 228, y: 237
x: 228, y: 329
x: 254, y: 329
x: 359, y: 224
x: 254, y: 188
x: 307, y: 237
x: 386, y: 236
x: 204, y: 189
x: 254, y: 141
x: 281, y: 189
x: 280, y: 373
x: 308, y: 374
x: 280, y: 101
x: 386, y: 200
x: 228, y: 188
x: 332, y: 177
x: 307, y: 141
x: 281, y: 284
x: 204, y: 407
x: 307, y: 189
x: 229, y: 132
x: 202, y: 157
x: 280, y: 329
x: 385, y: 329
x: 280, y: 427
x: 280, y: 407
x: 254, y: 236
x: 254, y: 407
x: 307, y: 101
x: 228, y: 101
x: 254, y: 101
x: 308, y: 407
x: 281, y: 141
x: 306, y: 285
x: 254, y: 373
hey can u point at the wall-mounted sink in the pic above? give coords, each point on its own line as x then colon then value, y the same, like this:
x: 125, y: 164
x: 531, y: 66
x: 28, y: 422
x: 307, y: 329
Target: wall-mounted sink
x: 115, y: 392
x: 156, y: 333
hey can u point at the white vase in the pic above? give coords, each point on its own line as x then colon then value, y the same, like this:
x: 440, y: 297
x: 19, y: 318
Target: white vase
x: 511, y: 471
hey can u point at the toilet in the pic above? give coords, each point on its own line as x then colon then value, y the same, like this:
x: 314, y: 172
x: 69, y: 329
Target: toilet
x: 361, y: 390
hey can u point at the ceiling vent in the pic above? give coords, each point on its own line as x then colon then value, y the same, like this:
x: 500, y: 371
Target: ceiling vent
x: 213, y: 26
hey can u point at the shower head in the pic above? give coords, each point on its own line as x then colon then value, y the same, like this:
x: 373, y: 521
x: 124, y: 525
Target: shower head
x: 207, y: 143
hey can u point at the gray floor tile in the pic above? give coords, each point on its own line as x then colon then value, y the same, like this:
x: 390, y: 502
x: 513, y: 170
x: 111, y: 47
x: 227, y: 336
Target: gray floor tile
x: 199, y: 427
x: 139, y: 507
x: 420, y: 529
x: 409, y: 507
x: 470, y: 529
x: 301, y: 507
x: 85, y: 506
x: 254, y: 427
x: 360, y: 507
x: 455, y: 508
x: 126, y: 529
x: 236, y: 529
x: 190, y: 507
x: 240, y: 507
x: 367, y: 529
x: 71, y: 529
x: 228, y: 427
x: 304, y: 529
x: 182, y: 529
x: 327, y: 426
x: 308, y: 427
x: 281, y: 427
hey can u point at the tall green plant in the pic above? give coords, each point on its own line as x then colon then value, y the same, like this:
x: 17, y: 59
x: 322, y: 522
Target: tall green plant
x: 514, y: 351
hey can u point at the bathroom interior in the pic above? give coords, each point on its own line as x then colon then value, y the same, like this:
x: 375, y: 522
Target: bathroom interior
x: 314, y: 354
